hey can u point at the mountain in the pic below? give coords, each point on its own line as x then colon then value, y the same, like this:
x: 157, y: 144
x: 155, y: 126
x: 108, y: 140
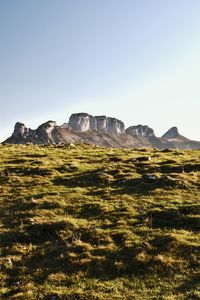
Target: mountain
x: 179, y: 141
x: 99, y: 130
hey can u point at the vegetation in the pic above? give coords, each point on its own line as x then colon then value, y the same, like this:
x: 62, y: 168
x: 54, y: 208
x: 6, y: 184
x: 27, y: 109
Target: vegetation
x: 83, y: 222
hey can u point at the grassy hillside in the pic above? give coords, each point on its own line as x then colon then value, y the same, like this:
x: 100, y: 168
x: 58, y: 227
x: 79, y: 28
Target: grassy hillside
x: 82, y: 222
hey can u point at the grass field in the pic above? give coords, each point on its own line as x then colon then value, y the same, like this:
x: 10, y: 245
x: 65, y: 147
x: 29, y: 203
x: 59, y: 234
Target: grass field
x: 83, y: 222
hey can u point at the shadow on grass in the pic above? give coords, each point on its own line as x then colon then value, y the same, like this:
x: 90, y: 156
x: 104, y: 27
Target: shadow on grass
x: 16, y: 212
x: 57, y: 257
x: 99, y: 178
x: 17, y: 219
x: 167, y: 167
x: 176, y: 219
x: 85, y: 179
x: 191, y: 284
x: 33, y: 171
x: 146, y: 184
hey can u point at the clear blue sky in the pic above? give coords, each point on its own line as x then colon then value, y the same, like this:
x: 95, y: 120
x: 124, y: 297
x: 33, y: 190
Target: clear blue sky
x: 137, y: 60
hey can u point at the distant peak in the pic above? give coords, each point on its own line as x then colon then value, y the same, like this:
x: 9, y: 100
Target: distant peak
x: 18, y: 126
x: 20, y: 131
x: 171, y: 133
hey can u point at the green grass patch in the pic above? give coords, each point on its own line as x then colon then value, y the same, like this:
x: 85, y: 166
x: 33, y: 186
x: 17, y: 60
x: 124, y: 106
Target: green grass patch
x: 95, y: 223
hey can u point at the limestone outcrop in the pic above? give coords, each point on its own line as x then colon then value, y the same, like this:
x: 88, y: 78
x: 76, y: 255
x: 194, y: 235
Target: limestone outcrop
x: 84, y: 122
x: 140, y: 131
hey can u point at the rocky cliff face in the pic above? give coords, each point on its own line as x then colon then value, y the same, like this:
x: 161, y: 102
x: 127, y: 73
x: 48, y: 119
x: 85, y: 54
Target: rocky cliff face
x: 109, y: 125
x: 84, y: 122
x: 99, y: 130
x: 140, y: 131
x: 45, y: 132
x: 20, y: 130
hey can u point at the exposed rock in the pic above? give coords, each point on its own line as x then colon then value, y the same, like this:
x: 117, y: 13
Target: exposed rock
x: 110, y: 125
x: 101, y: 123
x: 99, y: 131
x: 20, y: 134
x: 65, y: 125
x: 45, y: 132
x: 84, y: 122
x: 179, y: 141
x: 115, y: 126
x: 20, y: 130
x: 171, y: 133
x: 140, y: 131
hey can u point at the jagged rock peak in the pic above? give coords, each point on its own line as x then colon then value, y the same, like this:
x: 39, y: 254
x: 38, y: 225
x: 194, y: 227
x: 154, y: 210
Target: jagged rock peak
x: 20, y: 130
x: 171, y: 133
x: 45, y: 132
x: 140, y: 131
x: 84, y: 122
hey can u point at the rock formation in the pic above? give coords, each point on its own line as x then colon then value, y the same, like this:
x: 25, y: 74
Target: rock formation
x: 99, y: 130
x: 171, y: 133
x: 109, y: 125
x: 179, y: 141
x: 140, y: 131
x: 20, y: 133
x: 45, y: 132
x: 20, y: 130
x: 84, y: 122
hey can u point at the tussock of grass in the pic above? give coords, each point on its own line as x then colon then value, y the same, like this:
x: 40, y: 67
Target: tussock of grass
x: 85, y: 222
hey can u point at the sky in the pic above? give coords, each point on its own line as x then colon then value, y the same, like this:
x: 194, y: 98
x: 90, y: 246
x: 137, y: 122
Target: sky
x: 136, y: 60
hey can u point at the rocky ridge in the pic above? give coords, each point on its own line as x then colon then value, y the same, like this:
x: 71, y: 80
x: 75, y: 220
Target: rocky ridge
x: 99, y: 130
